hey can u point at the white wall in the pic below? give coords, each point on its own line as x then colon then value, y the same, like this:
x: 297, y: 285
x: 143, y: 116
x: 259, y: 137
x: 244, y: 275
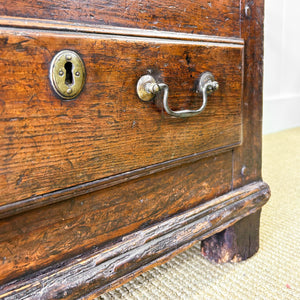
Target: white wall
x: 281, y: 108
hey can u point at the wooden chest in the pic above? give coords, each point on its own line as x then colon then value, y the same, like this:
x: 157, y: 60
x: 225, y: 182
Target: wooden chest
x: 129, y: 131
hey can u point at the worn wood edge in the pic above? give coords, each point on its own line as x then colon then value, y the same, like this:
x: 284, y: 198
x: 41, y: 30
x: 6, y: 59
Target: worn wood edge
x: 234, y: 244
x: 106, y: 268
x: 32, y: 23
x: 157, y: 262
x: 97, y: 185
x: 248, y: 158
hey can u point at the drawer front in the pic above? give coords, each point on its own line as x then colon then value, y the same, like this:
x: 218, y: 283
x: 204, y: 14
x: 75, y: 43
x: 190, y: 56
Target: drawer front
x: 49, y: 144
x: 221, y: 18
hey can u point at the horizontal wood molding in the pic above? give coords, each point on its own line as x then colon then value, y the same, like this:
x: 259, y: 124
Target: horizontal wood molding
x: 103, y: 269
x: 32, y: 23
x: 32, y: 241
x: 97, y: 185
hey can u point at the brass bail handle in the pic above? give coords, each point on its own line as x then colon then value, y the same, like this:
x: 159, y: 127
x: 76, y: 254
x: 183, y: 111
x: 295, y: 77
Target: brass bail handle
x: 147, y: 88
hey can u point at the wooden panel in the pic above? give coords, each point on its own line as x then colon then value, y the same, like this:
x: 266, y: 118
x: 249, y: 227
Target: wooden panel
x: 202, y: 17
x: 94, y: 272
x: 44, y: 236
x: 49, y: 144
x: 11, y: 209
x: 247, y: 159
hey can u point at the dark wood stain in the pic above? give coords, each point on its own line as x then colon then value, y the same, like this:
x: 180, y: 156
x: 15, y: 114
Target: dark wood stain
x: 97, y: 190
x: 103, y: 269
x: 17, y: 207
x: 234, y: 244
x: 241, y: 241
x: 212, y: 17
x: 49, y: 144
x: 34, y: 240
x: 247, y: 159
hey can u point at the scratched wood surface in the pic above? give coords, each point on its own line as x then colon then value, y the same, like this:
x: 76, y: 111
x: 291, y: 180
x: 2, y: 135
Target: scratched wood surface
x: 242, y: 240
x: 60, y: 151
x: 247, y: 159
x: 234, y: 244
x: 35, y: 239
x: 202, y: 17
x: 102, y: 269
x: 49, y: 144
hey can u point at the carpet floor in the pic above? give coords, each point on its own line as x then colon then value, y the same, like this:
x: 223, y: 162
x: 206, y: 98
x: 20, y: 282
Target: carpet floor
x: 273, y: 273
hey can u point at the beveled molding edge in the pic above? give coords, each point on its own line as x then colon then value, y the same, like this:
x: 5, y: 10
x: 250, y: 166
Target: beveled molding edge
x: 91, y: 274
x: 34, y: 202
x: 32, y: 23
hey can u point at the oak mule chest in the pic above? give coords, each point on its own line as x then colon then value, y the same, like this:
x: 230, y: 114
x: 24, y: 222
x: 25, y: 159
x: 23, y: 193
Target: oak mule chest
x: 129, y: 131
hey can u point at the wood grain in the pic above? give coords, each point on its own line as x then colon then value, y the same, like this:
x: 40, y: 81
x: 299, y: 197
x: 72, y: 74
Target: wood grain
x: 98, y: 189
x: 21, y: 206
x: 234, y: 244
x: 247, y: 159
x: 242, y: 240
x: 214, y: 17
x: 103, y: 266
x: 33, y: 23
x: 49, y: 144
x: 38, y: 238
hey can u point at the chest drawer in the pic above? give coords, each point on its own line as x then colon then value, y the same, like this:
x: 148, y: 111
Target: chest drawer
x: 50, y: 144
x: 220, y: 18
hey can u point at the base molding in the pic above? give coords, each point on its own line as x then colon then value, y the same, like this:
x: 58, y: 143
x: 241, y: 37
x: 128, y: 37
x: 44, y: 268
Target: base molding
x: 102, y: 269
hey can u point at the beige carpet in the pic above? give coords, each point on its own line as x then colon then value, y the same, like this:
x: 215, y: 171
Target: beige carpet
x: 273, y: 273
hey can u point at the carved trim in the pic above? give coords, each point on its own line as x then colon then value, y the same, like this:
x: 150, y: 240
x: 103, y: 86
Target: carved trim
x: 103, y: 29
x: 106, y: 268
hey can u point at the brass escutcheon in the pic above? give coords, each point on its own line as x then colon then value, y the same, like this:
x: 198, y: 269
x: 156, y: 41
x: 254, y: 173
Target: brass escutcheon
x: 67, y: 74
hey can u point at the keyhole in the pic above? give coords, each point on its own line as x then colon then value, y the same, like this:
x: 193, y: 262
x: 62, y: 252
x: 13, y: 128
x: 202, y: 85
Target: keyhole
x: 69, y: 74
